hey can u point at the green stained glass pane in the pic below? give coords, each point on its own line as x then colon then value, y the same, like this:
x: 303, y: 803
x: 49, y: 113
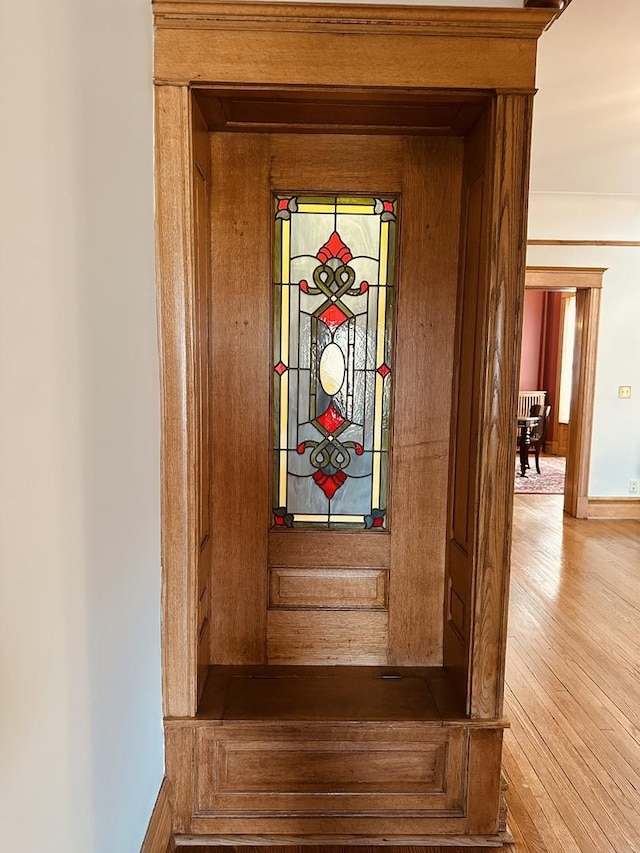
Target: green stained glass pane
x: 333, y: 315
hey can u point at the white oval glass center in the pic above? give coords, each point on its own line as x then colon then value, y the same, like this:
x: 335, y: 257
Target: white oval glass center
x: 332, y: 369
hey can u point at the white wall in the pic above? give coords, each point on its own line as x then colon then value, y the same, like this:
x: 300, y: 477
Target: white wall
x: 80, y: 716
x: 585, y: 177
x: 615, y: 457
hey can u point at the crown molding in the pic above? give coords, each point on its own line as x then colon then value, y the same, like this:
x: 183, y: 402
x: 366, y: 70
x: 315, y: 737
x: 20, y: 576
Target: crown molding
x: 559, y: 6
x: 526, y: 23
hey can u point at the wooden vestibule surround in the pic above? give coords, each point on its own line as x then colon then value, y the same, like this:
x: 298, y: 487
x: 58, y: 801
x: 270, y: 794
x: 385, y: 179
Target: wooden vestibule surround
x: 339, y: 686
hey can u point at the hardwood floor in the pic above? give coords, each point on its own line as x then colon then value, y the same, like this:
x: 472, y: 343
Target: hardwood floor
x: 572, y: 755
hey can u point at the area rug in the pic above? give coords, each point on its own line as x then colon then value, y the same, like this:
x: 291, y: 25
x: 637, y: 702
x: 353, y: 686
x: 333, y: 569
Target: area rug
x: 550, y: 480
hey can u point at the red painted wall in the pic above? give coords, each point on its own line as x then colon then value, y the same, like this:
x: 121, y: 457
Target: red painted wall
x: 551, y: 355
x: 540, y: 342
x: 533, y: 335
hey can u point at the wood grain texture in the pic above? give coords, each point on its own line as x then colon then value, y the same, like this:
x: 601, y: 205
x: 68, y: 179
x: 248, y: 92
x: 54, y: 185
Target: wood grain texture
x: 240, y: 382
x: 613, y: 508
x: 557, y: 278
x: 279, y: 109
x: 326, y: 163
x: 236, y: 55
x: 614, y: 243
x: 341, y: 17
x: 175, y: 276
x: 465, y: 417
x: 158, y: 835
x: 483, y: 794
x: 302, y: 549
x: 327, y: 637
x: 358, y: 844
x: 581, y: 413
x: 317, y: 693
x: 427, y: 172
x: 573, y: 751
x: 329, y: 589
x: 339, y: 769
x: 201, y: 174
x: 498, y: 395
x: 422, y: 405
x: 180, y: 756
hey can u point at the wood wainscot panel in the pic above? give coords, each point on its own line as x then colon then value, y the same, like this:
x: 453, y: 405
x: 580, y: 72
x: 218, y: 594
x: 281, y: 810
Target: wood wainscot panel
x: 240, y: 331
x: 329, y: 769
x: 302, y: 549
x: 322, y: 637
x: 328, y: 589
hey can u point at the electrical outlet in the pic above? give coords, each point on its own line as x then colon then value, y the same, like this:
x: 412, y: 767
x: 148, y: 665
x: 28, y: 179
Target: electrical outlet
x: 634, y: 487
x: 624, y: 392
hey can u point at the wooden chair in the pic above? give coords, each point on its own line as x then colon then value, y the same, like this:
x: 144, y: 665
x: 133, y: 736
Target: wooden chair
x: 539, y: 433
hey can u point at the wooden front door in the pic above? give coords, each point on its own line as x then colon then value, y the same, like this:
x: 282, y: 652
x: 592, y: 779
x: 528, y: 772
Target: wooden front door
x: 288, y: 584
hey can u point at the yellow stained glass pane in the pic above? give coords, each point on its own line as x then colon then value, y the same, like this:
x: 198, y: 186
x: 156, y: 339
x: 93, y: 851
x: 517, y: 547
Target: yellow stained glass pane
x: 333, y: 315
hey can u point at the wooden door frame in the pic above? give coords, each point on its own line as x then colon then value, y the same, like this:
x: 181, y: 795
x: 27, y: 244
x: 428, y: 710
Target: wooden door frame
x: 587, y: 283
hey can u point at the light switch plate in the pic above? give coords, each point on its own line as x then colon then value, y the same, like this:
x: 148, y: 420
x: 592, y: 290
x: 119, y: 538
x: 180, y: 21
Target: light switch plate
x: 624, y: 392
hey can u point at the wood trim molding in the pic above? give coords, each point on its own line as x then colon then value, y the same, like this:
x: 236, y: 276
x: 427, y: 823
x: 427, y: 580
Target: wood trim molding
x: 620, y: 508
x: 439, y: 843
x: 158, y: 836
x: 429, y: 20
x: 581, y: 417
x: 175, y: 283
x: 501, y: 335
x: 546, y: 4
x: 588, y: 285
x: 201, y: 41
x: 563, y: 278
x: 559, y: 6
x: 634, y: 244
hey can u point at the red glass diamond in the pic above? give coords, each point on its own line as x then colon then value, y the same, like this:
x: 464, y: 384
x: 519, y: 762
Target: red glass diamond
x: 331, y: 420
x: 329, y: 483
x: 280, y: 368
x: 383, y: 370
x: 333, y: 317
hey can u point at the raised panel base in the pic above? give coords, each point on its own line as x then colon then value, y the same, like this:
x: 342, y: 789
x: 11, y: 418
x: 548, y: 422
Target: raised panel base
x: 286, y: 781
x: 340, y: 769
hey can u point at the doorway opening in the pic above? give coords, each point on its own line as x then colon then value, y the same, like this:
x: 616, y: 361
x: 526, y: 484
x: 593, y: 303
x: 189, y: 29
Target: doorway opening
x: 557, y: 380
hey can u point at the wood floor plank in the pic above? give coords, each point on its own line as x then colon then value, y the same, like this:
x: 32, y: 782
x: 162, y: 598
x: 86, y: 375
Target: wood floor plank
x: 572, y: 757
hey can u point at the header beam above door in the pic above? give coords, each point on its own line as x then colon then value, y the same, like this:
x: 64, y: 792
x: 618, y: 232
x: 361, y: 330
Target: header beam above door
x: 200, y: 41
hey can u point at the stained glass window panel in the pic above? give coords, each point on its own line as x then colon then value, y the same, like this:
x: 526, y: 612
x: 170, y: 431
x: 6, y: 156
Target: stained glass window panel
x: 334, y: 270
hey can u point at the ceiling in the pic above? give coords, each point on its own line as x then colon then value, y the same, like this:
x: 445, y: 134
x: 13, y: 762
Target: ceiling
x: 586, y: 136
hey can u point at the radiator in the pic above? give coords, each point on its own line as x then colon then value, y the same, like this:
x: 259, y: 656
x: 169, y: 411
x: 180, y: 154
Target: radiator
x: 526, y: 399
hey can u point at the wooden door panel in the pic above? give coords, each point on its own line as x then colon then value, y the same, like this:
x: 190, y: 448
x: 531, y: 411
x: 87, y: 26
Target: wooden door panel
x: 422, y: 397
x: 403, y: 624
x: 240, y: 381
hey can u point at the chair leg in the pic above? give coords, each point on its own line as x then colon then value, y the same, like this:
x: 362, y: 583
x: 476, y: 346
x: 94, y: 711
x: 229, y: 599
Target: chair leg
x: 538, y: 458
